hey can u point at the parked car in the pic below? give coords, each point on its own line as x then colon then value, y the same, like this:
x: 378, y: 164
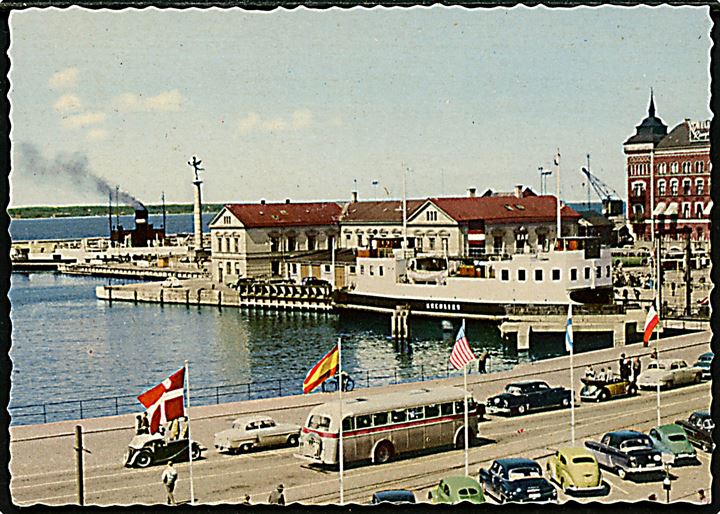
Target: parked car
x: 314, y: 281
x: 699, y: 427
x: 147, y: 449
x: 522, y: 397
x: 672, y: 440
x: 456, y: 489
x: 516, y: 479
x: 171, y: 282
x: 669, y: 373
x: 575, y: 470
x: 704, y: 362
x: 393, y: 496
x: 596, y: 390
x: 626, y: 452
x: 251, y: 432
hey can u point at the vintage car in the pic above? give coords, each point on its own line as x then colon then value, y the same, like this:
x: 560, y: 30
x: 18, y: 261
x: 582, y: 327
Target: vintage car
x: 393, y: 496
x: 147, y: 449
x: 626, y: 452
x: 575, y: 470
x: 456, y: 489
x: 699, y: 427
x: 251, y: 432
x: 522, y: 397
x: 669, y: 373
x: 596, y: 390
x: 516, y: 479
x: 704, y: 362
x: 672, y: 440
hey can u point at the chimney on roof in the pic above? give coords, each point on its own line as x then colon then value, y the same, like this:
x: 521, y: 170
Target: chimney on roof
x: 354, y: 197
x: 471, y: 192
x: 518, y: 191
x: 262, y: 201
x: 287, y: 200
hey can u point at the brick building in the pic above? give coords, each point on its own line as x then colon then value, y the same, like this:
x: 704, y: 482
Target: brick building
x: 668, y: 178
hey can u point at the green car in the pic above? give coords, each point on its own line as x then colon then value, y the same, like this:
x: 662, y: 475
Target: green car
x: 575, y: 470
x: 452, y: 490
x: 672, y: 440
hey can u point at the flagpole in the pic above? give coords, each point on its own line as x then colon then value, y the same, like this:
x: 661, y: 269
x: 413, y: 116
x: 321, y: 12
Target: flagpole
x: 187, y: 413
x: 657, y: 339
x: 340, y: 423
x: 466, y: 414
x: 572, y: 392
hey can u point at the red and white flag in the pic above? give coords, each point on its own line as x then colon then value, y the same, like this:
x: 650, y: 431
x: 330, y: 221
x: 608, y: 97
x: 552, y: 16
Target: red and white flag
x: 650, y: 323
x: 461, y: 353
x: 165, y: 401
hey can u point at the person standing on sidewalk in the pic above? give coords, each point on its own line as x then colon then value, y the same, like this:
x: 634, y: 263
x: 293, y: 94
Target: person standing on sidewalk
x: 482, y: 362
x: 277, y: 497
x: 169, y: 477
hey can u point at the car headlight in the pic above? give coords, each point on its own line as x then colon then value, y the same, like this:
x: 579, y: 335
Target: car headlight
x: 497, y: 400
x: 633, y: 461
x: 657, y: 457
x: 518, y: 490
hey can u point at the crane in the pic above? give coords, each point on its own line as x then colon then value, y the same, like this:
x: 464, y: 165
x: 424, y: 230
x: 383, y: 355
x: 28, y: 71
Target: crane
x: 611, y: 202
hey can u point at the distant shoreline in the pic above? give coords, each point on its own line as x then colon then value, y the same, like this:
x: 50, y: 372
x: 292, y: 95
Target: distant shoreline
x: 86, y: 211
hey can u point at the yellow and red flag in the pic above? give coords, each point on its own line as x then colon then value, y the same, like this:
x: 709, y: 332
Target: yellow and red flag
x: 326, y: 368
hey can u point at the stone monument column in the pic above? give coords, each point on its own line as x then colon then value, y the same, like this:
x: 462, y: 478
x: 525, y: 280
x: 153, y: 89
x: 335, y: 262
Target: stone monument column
x: 197, y: 214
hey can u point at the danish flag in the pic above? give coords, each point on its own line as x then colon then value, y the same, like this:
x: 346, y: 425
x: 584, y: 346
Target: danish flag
x: 165, y: 401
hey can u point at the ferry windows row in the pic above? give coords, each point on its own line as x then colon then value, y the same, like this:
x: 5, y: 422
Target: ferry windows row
x: 555, y: 274
x: 398, y: 416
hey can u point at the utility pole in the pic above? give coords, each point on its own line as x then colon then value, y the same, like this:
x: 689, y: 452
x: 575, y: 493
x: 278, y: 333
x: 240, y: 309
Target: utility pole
x: 79, y: 463
x: 688, y: 272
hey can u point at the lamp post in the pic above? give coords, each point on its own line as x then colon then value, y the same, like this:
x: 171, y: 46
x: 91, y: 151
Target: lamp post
x: 667, y: 485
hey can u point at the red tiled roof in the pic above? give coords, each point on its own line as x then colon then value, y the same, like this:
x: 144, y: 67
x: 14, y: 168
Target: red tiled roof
x: 503, y: 208
x: 285, y: 214
x: 379, y: 211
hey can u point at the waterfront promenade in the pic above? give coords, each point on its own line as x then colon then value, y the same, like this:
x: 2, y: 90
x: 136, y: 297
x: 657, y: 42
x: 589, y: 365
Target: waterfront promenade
x: 43, y: 458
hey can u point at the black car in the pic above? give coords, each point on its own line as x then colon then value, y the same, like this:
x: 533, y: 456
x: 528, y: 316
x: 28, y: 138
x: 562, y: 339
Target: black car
x: 521, y: 397
x: 146, y: 449
x: 516, y: 479
x: 394, y: 496
x: 699, y: 427
x: 627, y: 452
x: 314, y: 281
x: 704, y: 362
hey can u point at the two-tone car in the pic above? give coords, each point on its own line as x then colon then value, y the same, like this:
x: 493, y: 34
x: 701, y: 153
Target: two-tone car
x: 672, y: 440
x: 575, y: 470
x: 699, y: 427
x: 595, y: 390
x: 516, y: 479
x: 251, y: 432
x: 669, y: 373
x: 525, y: 396
x: 704, y: 362
x: 456, y: 489
x: 147, y: 449
x: 626, y: 452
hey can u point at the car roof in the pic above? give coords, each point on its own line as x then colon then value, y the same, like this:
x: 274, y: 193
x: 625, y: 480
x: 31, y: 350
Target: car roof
x: 626, y: 433
x: 516, y: 462
x: 575, y: 451
x: 457, y: 481
x: 247, y: 419
x: 527, y: 382
x: 702, y: 414
x: 706, y: 355
x: 670, y: 428
x: 393, y: 494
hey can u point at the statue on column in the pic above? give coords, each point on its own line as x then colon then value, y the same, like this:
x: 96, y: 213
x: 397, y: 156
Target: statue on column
x: 195, y: 163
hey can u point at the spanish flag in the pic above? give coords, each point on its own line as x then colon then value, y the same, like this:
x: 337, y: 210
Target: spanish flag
x: 326, y: 368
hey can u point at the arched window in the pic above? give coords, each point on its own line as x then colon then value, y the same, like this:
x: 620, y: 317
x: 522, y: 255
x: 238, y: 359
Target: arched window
x: 687, y: 167
x: 638, y: 209
x: 674, y: 168
x: 661, y: 187
x: 699, y: 166
x: 698, y: 209
x: 674, y: 187
x: 686, y: 187
x: 699, y: 186
x: 662, y: 168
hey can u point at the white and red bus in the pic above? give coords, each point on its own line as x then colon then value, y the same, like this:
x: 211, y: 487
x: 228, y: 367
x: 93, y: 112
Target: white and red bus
x: 380, y: 428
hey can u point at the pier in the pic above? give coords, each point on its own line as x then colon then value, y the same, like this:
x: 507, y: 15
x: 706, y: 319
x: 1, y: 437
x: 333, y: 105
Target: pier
x: 129, y: 271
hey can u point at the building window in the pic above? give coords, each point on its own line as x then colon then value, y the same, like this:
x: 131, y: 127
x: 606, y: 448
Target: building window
x: 662, y: 168
x: 311, y: 243
x: 360, y: 240
x: 598, y: 272
x: 661, y: 188
x: 372, y: 270
x: 556, y: 275
x: 699, y: 187
x: 521, y: 275
x: 237, y: 268
x: 608, y: 271
x: 573, y: 274
x: 638, y: 209
x: 674, y: 168
x: 228, y: 268
x: 497, y: 244
x: 419, y: 244
x: 686, y: 187
x: 431, y: 216
x: 674, y: 187
x: 348, y: 238
x: 699, y: 166
x: 504, y: 275
x: 380, y: 271
x: 431, y: 243
x: 352, y: 270
x: 638, y: 188
x: 686, y: 210
x: 587, y: 272
x: 687, y: 167
x: 274, y: 244
x: 291, y: 244
x: 698, y: 210
x: 226, y: 220
x: 362, y: 269
x: 538, y: 275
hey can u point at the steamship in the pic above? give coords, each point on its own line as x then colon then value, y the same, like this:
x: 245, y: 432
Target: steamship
x: 576, y: 271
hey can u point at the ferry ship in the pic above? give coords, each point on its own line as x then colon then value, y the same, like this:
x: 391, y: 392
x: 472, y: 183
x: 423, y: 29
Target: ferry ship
x: 576, y: 271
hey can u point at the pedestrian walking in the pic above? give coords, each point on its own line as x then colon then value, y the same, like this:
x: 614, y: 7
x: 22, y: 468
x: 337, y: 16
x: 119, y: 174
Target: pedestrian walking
x: 246, y: 500
x: 277, y: 497
x: 625, y: 295
x: 174, y: 430
x: 701, y: 497
x: 652, y: 497
x: 636, y: 368
x: 144, y: 424
x: 602, y: 376
x: 185, y: 427
x: 589, y: 372
x: 624, y: 372
x: 169, y: 477
x: 654, y: 354
x: 637, y: 294
x: 482, y: 362
x: 138, y: 424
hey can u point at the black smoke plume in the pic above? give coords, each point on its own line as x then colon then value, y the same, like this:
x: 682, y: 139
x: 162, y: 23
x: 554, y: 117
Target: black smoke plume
x: 75, y: 168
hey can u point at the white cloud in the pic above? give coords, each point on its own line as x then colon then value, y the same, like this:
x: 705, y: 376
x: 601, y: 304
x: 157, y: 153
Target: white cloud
x: 84, y: 119
x: 299, y: 119
x: 66, y: 78
x: 97, y: 134
x: 163, y: 102
x: 67, y: 103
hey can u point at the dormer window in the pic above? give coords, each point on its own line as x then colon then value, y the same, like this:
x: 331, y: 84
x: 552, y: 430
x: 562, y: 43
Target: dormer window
x: 508, y: 207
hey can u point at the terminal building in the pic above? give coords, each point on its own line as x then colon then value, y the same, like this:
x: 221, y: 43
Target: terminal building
x: 668, y: 179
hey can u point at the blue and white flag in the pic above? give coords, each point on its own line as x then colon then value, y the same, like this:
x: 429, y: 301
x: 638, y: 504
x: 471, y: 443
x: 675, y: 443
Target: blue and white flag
x: 568, y: 331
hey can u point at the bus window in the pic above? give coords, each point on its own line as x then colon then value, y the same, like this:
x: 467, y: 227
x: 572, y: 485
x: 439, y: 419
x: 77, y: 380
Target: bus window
x: 319, y: 422
x: 471, y: 405
x: 432, y: 411
x: 415, y: 413
x: 381, y: 418
x: 398, y: 416
x: 446, y: 409
x: 363, y: 421
x: 348, y: 423
x: 459, y: 407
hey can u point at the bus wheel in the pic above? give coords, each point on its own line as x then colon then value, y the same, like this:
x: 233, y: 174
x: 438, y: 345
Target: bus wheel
x: 383, y: 453
x: 460, y: 438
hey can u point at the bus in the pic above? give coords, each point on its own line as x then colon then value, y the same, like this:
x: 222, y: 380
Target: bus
x: 383, y: 427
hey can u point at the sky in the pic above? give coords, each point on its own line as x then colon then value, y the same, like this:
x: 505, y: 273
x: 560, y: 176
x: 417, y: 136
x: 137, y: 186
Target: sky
x: 311, y: 105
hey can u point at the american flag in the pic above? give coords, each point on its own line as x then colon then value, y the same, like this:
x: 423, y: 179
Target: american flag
x: 461, y: 353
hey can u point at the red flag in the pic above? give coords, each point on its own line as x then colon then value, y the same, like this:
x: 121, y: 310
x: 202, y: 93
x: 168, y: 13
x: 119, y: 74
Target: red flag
x: 324, y: 369
x: 650, y: 323
x: 165, y: 401
x: 461, y: 353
